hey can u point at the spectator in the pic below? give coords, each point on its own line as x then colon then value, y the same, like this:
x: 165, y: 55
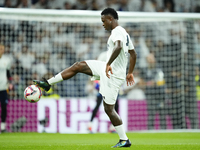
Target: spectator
x: 60, y: 37
x: 168, y: 6
x: 174, y: 92
x: 8, y: 4
x: 41, y: 44
x: 55, y: 4
x: 101, y: 4
x: 94, y: 5
x: 150, y: 6
x: 41, y: 4
x: 140, y: 47
x: 134, y: 5
x: 18, y: 44
x: 67, y: 6
x: 197, y: 9
x: 81, y: 5
x: 8, y: 53
x: 2, y: 2
x: 197, y: 79
x: 155, y: 88
x: 5, y: 77
x: 26, y: 58
x: 112, y: 4
x: 190, y: 97
x: 197, y: 49
x: 18, y: 88
x: 24, y: 4
x: 86, y: 48
x: 123, y: 5
x: 41, y: 66
x: 180, y: 6
x: 60, y: 63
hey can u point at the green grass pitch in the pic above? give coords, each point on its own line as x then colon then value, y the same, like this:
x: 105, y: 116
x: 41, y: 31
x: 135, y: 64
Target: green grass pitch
x: 140, y: 141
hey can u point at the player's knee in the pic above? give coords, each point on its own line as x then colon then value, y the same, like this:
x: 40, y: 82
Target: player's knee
x: 76, y: 66
x: 81, y: 67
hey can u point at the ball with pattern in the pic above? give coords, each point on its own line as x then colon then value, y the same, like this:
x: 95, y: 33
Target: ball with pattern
x: 32, y: 93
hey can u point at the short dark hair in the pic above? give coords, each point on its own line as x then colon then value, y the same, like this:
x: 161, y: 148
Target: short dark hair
x: 110, y: 11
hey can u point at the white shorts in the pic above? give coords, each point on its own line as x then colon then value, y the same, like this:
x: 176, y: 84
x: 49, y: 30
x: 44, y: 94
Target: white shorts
x: 109, y: 88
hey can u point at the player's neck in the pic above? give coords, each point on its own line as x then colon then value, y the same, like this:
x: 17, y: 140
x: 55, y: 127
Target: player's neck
x: 115, y: 27
x: 115, y: 24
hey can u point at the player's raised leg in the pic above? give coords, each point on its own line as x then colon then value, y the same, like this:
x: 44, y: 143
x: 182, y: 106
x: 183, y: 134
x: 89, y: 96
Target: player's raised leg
x: 78, y: 67
x: 117, y: 123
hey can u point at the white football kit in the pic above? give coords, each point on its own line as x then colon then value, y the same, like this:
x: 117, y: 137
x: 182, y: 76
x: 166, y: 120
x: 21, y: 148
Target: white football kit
x: 5, y: 65
x: 110, y: 87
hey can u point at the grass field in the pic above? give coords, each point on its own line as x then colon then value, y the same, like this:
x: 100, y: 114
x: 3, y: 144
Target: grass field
x: 140, y: 141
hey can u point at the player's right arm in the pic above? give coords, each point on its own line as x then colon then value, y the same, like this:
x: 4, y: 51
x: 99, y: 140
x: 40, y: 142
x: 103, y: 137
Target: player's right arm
x: 117, y: 48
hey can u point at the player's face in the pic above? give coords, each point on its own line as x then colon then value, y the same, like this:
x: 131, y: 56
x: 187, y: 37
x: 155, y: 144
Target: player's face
x: 106, y: 19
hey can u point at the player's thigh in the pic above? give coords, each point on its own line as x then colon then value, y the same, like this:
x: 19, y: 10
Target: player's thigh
x: 110, y: 95
x: 108, y: 107
x: 97, y: 67
x: 84, y: 68
x: 110, y: 88
x: 3, y: 97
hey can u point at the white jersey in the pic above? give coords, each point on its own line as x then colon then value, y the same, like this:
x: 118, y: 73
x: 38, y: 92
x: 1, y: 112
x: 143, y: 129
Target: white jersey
x: 120, y: 63
x: 4, y: 66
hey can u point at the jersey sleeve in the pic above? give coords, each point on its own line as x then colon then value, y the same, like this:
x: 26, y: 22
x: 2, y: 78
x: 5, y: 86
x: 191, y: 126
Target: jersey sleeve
x: 9, y: 63
x: 130, y: 45
x: 116, y: 36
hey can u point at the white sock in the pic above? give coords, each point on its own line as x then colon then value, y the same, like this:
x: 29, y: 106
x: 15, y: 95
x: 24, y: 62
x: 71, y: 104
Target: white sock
x: 121, y: 132
x: 57, y: 78
x: 90, y: 124
x: 3, y: 125
x: 111, y: 128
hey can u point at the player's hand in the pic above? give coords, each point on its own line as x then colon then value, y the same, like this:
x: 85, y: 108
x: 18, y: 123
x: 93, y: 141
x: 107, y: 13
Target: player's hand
x: 130, y: 79
x: 10, y: 86
x: 108, y: 69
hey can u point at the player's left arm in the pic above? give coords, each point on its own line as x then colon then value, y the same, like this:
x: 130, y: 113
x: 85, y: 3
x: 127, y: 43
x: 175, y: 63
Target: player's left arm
x: 130, y: 77
x: 117, y: 48
x: 10, y: 86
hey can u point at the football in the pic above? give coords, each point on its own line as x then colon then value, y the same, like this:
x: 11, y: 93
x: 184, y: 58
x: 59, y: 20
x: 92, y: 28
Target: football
x: 32, y: 93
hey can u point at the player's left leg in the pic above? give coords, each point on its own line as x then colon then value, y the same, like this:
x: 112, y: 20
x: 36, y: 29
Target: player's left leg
x: 78, y: 67
x: 112, y: 128
x: 117, y: 122
x: 4, y: 102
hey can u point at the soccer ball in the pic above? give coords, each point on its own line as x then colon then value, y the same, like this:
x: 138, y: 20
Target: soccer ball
x: 32, y: 93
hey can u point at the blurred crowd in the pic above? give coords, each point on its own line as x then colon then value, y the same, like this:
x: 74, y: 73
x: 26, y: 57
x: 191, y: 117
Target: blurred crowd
x: 120, y: 5
x: 40, y: 49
